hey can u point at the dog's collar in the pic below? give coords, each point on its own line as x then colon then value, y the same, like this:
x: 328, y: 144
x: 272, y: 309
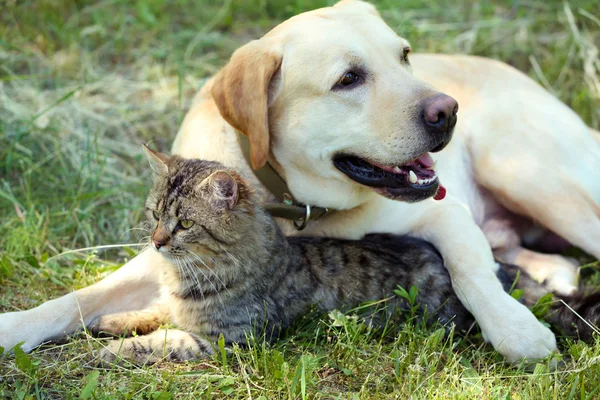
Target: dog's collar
x: 287, y: 207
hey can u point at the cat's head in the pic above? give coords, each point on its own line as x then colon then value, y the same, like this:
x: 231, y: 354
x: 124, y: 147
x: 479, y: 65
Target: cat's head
x: 197, y: 207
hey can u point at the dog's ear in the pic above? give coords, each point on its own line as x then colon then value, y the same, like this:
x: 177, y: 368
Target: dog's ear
x: 358, y: 5
x: 241, y: 90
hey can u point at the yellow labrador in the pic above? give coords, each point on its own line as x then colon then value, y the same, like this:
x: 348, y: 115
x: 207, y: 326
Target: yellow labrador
x: 334, y: 102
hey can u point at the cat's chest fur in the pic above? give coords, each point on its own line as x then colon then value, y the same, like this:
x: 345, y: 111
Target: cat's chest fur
x: 198, y: 299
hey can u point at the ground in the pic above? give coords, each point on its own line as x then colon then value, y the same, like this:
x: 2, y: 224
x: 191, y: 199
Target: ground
x: 83, y: 84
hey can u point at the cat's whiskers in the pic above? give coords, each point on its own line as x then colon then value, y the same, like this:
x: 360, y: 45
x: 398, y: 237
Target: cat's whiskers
x: 194, y: 276
x: 218, y: 292
x: 142, y: 226
x: 145, y: 241
x: 184, y: 272
x: 179, y: 270
x: 198, y: 258
x: 235, y: 260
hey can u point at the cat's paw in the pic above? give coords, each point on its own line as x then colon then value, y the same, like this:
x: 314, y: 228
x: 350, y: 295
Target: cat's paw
x: 112, y: 325
x: 127, y: 353
x: 125, y: 324
x: 107, y: 358
x: 115, y: 352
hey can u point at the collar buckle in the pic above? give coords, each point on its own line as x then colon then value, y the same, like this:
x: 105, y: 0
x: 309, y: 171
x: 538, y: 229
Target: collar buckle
x: 287, y: 207
x: 302, y: 222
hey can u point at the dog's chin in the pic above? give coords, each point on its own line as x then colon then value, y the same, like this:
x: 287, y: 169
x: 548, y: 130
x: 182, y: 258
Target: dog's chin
x: 410, y: 182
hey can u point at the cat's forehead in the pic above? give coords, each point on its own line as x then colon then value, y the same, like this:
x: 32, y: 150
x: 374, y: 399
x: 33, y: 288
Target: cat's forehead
x: 189, y: 172
x: 193, y: 168
x: 184, y: 177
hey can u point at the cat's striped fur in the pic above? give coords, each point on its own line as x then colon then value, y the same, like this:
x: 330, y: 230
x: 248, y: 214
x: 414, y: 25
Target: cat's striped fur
x: 232, y: 271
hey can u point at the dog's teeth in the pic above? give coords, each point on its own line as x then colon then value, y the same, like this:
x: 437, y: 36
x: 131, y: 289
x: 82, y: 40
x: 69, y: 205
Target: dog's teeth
x: 433, y: 167
x: 412, y: 177
x: 420, y: 181
x: 397, y: 169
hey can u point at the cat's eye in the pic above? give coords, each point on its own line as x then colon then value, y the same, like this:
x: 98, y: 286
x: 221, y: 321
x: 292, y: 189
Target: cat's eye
x: 186, y: 223
x: 155, y: 215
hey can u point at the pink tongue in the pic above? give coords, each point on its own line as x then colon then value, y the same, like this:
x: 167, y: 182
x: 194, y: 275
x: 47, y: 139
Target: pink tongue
x: 441, y: 193
x: 425, y: 160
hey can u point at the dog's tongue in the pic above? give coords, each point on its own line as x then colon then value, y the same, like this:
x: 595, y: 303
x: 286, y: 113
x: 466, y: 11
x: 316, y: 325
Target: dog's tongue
x: 425, y: 160
x: 441, y: 193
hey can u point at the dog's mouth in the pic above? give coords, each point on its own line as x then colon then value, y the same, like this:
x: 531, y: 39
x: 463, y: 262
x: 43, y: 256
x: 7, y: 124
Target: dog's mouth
x: 413, y: 181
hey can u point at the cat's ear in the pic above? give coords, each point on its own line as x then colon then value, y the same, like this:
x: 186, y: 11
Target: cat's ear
x: 159, y: 160
x: 224, y: 189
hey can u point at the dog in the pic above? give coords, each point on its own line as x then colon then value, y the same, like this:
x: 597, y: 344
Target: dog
x: 335, y: 105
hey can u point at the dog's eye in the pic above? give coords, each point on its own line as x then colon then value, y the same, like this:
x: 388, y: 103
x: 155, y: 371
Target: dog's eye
x: 348, y: 79
x: 155, y: 215
x: 405, y: 53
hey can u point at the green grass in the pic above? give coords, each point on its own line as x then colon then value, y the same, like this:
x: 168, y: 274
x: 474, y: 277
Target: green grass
x: 82, y: 84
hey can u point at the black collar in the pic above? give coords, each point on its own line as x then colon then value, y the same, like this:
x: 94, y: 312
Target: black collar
x: 287, y: 207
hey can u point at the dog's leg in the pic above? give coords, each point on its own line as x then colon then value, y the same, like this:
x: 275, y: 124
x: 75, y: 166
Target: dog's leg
x: 562, y: 194
x: 508, y: 325
x: 134, y: 286
x: 545, y: 165
x: 558, y: 274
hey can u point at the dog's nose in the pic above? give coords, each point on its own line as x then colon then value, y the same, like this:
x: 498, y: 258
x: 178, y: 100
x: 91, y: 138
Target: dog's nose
x: 439, y: 113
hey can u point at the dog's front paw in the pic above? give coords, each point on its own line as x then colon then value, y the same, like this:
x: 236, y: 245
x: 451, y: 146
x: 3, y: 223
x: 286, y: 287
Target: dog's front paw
x: 518, y: 335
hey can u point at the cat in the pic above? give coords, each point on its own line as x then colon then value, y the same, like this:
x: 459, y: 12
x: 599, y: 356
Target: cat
x: 230, y: 270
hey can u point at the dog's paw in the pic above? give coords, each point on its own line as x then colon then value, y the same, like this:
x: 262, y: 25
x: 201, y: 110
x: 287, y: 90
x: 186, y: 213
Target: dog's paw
x: 562, y: 277
x: 518, y: 335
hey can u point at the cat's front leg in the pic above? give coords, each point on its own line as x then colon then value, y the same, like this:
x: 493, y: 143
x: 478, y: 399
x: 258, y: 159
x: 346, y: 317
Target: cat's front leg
x: 162, y: 345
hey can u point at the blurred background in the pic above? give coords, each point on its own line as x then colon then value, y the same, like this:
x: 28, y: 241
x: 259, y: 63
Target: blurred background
x: 84, y: 83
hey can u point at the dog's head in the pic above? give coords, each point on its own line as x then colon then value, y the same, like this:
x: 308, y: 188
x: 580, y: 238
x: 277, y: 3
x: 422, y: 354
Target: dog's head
x: 329, y: 95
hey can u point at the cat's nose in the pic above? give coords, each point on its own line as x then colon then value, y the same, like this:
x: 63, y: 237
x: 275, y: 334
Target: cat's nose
x: 158, y: 243
x: 160, y: 238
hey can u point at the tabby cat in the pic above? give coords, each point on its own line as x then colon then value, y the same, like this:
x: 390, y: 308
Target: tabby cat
x: 231, y: 271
